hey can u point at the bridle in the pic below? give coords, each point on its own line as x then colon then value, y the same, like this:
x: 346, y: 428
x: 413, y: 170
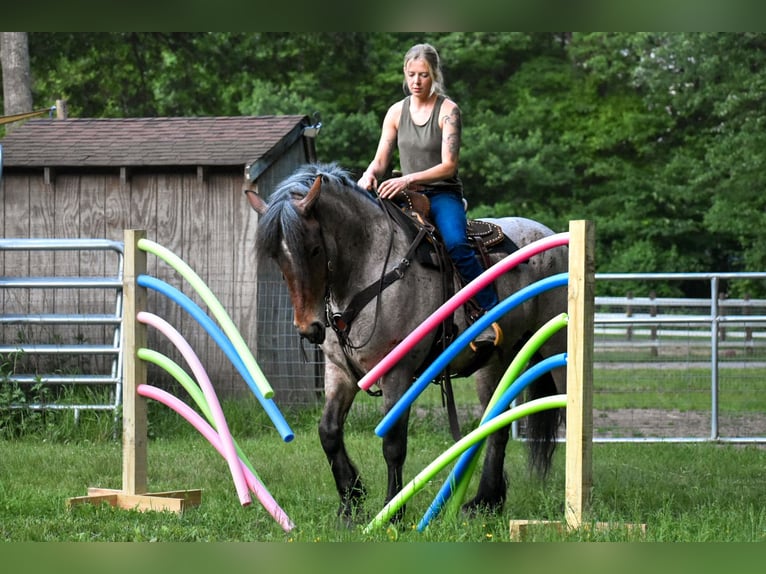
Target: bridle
x: 341, y: 321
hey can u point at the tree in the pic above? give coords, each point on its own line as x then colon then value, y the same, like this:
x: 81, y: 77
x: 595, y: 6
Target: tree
x: 17, y: 89
x: 657, y: 137
x: 712, y: 86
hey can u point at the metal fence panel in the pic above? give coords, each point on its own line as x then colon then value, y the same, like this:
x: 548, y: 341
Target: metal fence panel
x: 79, y: 318
x: 679, y: 369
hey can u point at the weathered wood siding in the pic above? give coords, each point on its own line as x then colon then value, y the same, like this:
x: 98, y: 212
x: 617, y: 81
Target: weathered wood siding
x: 206, y: 221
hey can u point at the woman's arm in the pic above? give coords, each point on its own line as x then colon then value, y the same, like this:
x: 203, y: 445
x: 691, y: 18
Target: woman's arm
x: 451, y: 124
x: 385, y: 151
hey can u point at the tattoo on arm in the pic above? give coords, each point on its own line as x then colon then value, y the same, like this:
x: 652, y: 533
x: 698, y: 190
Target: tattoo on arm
x: 453, y: 127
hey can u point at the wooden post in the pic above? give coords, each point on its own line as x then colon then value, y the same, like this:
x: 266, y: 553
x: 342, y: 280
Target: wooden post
x: 61, y: 110
x: 579, y: 415
x: 134, y: 370
x: 134, y: 421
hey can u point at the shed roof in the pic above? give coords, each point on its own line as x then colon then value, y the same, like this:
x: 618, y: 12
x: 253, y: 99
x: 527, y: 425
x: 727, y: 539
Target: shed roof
x: 165, y: 141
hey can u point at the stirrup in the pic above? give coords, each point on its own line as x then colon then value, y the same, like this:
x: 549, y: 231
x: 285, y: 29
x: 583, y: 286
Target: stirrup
x: 486, y: 337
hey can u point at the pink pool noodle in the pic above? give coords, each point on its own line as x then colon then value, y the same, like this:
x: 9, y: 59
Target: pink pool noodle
x: 502, y: 266
x: 264, y: 496
x: 230, y: 453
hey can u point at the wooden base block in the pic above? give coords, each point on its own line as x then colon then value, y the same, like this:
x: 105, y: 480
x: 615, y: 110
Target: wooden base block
x: 519, y: 528
x: 173, y: 501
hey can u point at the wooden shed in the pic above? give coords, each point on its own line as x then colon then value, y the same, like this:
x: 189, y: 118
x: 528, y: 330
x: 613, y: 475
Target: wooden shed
x: 181, y: 180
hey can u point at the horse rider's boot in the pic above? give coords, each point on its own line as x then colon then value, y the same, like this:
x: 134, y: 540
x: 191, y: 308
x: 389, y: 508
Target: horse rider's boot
x: 474, y: 355
x: 492, y: 335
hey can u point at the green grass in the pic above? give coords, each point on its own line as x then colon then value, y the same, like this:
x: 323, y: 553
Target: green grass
x: 741, y: 390
x: 682, y: 492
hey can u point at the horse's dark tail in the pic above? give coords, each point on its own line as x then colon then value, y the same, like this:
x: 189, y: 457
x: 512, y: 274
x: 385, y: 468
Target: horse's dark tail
x: 542, y: 427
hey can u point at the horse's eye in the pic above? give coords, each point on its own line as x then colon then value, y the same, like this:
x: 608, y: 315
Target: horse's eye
x: 315, y: 251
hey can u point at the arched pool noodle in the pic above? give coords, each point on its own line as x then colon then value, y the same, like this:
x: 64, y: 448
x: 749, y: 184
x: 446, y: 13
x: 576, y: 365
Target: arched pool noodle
x: 436, y: 318
x: 253, y: 482
x: 458, y: 481
x: 192, y: 388
x: 479, y: 433
x: 523, y: 357
x: 215, y: 307
x: 226, y: 346
x: 207, y: 389
x: 460, y: 475
x: 443, y: 360
x: 519, y: 362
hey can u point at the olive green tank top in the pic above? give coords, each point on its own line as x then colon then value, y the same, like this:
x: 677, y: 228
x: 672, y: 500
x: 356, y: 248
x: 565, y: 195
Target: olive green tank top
x: 420, y: 147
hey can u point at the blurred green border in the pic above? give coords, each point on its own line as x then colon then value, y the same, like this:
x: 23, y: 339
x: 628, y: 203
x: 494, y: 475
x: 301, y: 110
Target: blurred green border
x: 435, y: 15
x: 328, y: 558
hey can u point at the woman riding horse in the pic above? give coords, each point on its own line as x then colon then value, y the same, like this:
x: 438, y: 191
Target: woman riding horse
x: 333, y: 240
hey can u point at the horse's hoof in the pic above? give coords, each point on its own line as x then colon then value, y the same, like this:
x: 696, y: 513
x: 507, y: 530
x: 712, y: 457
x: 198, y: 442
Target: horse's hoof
x: 350, y: 522
x: 351, y: 516
x: 345, y: 522
x: 398, y: 516
x: 478, y: 506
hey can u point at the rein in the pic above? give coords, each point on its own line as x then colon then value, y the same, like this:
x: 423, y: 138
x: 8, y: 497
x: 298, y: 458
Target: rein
x: 341, y: 321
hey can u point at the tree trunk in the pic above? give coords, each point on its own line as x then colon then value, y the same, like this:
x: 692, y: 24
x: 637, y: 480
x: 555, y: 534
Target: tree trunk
x: 17, y: 88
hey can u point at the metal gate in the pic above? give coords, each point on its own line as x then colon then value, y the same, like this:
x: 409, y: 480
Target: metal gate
x: 45, y: 298
x: 672, y: 349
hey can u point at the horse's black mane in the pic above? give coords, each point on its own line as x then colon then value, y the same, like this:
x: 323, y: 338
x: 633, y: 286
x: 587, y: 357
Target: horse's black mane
x: 303, y: 177
x: 281, y: 222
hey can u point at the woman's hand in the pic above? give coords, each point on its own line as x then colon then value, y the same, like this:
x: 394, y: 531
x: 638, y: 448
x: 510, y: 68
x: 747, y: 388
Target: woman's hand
x: 394, y: 186
x: 368, y: 181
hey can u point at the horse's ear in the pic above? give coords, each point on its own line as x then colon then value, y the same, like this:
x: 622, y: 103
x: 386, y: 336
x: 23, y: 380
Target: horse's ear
x: 305, y: 204
x: 256, y: 201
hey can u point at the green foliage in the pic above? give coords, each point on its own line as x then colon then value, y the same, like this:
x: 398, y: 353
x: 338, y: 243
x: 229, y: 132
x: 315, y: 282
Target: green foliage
x: 656, y: 136
x: 23, y: 411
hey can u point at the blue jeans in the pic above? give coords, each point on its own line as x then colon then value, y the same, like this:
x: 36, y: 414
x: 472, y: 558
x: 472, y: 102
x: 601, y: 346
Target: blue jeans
x: 448, y: 213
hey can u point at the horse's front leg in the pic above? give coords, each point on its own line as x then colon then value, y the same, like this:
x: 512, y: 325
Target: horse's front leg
x: 339, y: 396
x: 395, y: 450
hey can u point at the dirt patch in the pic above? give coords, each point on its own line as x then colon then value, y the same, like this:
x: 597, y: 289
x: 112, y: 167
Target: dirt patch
x: 660, y: 423
x: 644, y: 423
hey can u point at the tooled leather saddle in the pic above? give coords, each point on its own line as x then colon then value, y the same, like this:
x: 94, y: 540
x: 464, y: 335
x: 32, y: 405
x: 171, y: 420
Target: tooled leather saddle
x: 484, y: 236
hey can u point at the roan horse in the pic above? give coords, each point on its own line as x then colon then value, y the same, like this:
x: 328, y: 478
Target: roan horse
x: 332, y: 240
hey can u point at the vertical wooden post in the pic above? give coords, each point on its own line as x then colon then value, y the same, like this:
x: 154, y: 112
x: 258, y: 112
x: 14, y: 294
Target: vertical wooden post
x: 61, y: 110
x: 579, y: 416
x: 134, y: 421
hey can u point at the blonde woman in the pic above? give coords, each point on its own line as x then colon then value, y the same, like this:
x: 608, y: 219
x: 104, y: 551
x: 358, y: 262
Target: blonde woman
x: 425, y: 126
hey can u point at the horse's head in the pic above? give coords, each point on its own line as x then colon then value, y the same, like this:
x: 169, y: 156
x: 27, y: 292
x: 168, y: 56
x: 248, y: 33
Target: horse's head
x: 290, y: 234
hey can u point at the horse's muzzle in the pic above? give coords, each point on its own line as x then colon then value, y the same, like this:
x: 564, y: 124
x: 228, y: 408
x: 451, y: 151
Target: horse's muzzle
x: 315, y: 333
